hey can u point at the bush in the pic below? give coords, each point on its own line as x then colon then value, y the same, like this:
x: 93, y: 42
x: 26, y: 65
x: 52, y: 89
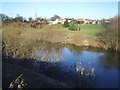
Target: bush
x: 66, y: 24
x: 74, y: 26
x: 80, y: 22
x: 104, y: 24
x: 18, y: 42
x: 90, y: 22
x: 109, y: 36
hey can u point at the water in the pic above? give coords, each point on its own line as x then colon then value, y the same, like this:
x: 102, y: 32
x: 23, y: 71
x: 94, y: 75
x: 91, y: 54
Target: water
x: 79, y: 67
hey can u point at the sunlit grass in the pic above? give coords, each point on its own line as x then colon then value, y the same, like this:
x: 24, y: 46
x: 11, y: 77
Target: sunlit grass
x: 90, y: 30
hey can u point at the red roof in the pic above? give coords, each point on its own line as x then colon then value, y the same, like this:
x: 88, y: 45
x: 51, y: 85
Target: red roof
x: 48, y: 20
x: 107, y: 19
x: 79, y: 19
x: 60, y: 19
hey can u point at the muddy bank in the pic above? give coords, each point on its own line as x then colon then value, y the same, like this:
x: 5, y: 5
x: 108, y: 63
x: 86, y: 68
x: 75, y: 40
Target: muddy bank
x: 33, y: 79
x: 88, y: 41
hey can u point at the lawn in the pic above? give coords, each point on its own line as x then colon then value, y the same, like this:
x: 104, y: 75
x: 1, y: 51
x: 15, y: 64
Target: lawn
x: 90, y: 30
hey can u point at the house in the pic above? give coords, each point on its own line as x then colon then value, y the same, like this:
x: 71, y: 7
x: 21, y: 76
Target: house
x: 69, y: 19
x: 61, y: 21
x: 57, y: 21
x: 107, y: 20
x: 80, y: 19
x: 98, y: 21
x: 88, y: 21
x: 94, y: 22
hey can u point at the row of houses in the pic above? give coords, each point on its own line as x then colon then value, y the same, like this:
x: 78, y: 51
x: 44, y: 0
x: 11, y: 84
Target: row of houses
x: 85, y: 21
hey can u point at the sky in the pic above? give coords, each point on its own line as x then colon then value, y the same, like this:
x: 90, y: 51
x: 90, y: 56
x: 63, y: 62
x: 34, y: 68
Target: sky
x: 88, y: 10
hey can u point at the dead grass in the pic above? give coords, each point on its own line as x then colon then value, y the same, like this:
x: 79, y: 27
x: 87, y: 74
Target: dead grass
x: 18, y: 40
x: 109, y: 36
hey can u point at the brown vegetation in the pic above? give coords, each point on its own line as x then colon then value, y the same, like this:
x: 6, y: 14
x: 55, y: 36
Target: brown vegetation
x: 109, y: 37
x: 18, y: 41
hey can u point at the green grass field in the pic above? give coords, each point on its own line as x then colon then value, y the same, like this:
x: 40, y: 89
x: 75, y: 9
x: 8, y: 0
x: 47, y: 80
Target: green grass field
x: 90, y: 30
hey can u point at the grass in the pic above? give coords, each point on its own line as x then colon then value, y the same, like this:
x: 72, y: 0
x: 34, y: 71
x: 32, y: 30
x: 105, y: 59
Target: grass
x: 90, y: 30
x: 18, y: 41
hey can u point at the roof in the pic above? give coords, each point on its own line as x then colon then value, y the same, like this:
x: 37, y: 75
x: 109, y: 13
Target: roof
x: 88, y: 20
x: 107, y: 19
x: 60, y: 19
x: 79, y: 19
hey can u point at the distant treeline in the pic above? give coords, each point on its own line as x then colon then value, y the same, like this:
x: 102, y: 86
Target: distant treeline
x: 6, y: 19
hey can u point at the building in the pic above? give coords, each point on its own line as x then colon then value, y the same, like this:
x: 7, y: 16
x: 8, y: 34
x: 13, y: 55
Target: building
x: 57, y: 21
x: 61, y: 21
x: 80, y: 19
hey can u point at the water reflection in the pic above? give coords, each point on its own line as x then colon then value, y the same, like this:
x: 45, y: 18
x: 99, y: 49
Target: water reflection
x: 110, y: 60
x: 85, y: 70
x: 48, y: 53
x: 78, y: 67
x: 77, y: 64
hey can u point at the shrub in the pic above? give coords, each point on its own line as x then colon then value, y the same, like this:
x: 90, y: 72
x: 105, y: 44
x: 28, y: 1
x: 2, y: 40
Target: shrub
x: 66, y: 24
x: 109, y: 36
x: 74, y: 26
x: 19, y: 41
x: 104, y: 24
x: 90, y: 22
x: 80, y: 22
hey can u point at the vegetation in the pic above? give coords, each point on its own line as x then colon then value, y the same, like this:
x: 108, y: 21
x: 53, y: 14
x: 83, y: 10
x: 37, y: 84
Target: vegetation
x: 80, y: 22
x: 74, y: 26
x: 55, y: 17
x: 66, y: 23
x: 17, y: 37
x: 110, y: 35
x: 18, y: 83
x: 89, y: 30
x: 20, y: 40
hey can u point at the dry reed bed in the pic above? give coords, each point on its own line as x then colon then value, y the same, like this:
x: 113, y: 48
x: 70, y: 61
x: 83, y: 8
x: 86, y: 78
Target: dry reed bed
x: 19, y: 42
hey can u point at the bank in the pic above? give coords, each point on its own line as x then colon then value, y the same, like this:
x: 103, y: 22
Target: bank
x: 32, y: 79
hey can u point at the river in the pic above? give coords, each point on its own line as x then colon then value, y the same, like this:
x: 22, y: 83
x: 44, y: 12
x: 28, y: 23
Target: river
x: 77, y: 66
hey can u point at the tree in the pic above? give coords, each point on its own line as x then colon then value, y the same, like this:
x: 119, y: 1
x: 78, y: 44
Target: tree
x: 30, y: 19
x: 18, y: 18
x: 3, y: 17
x: 110, y: 34
x: 80, y: 22
x: 74, y: 26
x: 55, y: 17
x: 66, y: 24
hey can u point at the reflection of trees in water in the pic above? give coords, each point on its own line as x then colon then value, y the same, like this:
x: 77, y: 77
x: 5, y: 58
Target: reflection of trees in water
x: 76, y: 50
x: 86, y: 70
x: 110, y: 60
x: 48, y: 52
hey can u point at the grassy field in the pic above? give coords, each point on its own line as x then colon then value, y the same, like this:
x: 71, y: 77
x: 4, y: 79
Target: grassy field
x: 90, y: 30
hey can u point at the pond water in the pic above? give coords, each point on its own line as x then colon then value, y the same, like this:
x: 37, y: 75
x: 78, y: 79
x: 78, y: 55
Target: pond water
x: 78, y: 67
